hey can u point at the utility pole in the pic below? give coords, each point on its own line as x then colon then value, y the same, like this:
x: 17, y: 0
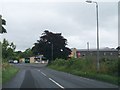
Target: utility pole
x: 52, y: 51
x: 98, y: 64
x: 87, y: 48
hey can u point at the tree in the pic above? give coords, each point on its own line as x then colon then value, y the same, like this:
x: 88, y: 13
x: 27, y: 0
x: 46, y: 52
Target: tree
x: 118, y: 48
x: 52, y: 46
x: 24, y: 54
x: 2, y: 22
x: 8, y: 49
x: 5, y: 45
x: 19, y: 54
x: 12, y: 46
x: 27, y: 53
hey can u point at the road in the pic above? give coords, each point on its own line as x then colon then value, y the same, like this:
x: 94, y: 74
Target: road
x: 39, y: 76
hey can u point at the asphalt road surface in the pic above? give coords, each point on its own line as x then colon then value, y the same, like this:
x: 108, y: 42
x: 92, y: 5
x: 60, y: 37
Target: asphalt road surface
x: 39, y: 76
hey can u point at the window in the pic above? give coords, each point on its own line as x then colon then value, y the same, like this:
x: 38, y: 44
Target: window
x: 104, y: 53
x: 111, y: 53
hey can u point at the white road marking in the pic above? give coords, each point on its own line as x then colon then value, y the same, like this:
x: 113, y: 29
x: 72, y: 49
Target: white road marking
x: 86, y: 78
x: 44, y: 74
x: 53, y: 80
x: 38, y: 70
x: 56, y: 83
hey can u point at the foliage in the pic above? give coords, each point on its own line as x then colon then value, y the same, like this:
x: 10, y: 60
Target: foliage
x: 51, y: 43
x: 2, y: 22
x: 87, y: 68
x: 118, y: 48
x: 8, y: 71
x: 27, y: 53
x: 8, y: 49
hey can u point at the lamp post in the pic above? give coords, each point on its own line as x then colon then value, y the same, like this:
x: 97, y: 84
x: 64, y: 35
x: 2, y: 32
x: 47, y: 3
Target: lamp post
x: 98, y: 66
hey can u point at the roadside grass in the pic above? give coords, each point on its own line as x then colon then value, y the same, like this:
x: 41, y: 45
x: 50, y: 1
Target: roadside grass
x: 87, y: 68
x: 8, y: 72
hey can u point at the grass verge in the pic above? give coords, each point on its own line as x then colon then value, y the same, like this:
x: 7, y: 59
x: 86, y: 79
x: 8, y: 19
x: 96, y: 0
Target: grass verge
x: 85, y: 69
x: 8, y: 72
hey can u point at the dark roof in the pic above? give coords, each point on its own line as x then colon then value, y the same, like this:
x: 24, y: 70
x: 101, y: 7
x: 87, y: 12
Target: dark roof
x: 96, y: 50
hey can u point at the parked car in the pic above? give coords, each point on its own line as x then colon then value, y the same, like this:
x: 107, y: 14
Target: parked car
x: 43, y: 62
x: 15, y: 61
x: 11, y: 61
x: 36, y: 62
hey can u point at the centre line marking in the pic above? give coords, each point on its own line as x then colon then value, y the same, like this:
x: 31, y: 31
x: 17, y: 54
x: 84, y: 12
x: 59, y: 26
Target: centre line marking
x: 56, y: 83
x: 38, y: 70
x: 43, y: 73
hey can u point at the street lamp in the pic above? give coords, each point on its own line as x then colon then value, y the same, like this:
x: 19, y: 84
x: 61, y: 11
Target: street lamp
x: 98, y: 66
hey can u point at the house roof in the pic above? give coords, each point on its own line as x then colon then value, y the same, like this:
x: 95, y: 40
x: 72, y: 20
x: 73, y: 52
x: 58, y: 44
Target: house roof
x: 96, y: 50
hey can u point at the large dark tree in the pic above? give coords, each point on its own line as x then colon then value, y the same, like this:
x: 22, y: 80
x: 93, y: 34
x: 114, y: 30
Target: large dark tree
x: 118, y: 48
x: 52, y: 46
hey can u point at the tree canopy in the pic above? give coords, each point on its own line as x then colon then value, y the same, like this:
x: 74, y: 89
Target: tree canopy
x: 8, y: 49
x: 118, y: 48
x: 51, y: 45
x: 24, y: 54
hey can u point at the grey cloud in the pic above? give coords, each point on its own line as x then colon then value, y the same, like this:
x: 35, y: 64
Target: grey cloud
x: 27, y: 21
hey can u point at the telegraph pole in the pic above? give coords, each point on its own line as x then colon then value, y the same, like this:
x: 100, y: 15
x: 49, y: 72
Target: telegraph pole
x: 98, y: 64
x: 52, y: 51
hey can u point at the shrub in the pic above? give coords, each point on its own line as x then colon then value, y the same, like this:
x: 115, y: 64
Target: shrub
x: 86, y: 67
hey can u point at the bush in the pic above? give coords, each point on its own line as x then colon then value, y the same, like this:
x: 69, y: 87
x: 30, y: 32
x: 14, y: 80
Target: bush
x: 88, y: 65
x: 87, y: 68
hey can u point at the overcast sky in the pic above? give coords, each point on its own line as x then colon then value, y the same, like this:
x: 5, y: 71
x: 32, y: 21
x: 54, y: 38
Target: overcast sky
x: 26, y: 21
